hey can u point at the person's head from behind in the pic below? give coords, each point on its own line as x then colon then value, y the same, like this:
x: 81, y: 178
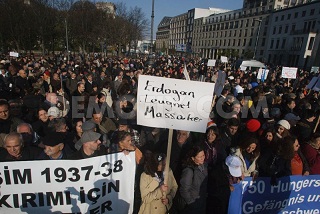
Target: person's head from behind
x: 13, y: 143
x: 155, y: 162
x: 58, y: 125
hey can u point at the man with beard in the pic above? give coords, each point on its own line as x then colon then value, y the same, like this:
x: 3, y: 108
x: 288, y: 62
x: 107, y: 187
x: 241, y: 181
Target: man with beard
x: 90, y: 146
x: 54, y: 147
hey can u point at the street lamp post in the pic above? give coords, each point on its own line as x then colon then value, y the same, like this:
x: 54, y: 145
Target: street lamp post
x: 152, y: 22
x: 257, y: 39
x: 67, y: 41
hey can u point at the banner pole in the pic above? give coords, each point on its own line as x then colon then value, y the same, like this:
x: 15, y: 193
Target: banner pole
x: 315, y: 128
x: 166, y: 171
x: 168, y: 155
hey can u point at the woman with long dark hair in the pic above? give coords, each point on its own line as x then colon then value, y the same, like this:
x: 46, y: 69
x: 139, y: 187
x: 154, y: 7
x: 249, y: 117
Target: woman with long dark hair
x: 193, y: 182
x: 248, y: 152
x: 156, y: 196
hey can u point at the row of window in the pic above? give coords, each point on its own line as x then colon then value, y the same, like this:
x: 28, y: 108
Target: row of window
x: 296, y: 15
x: 230, y: 42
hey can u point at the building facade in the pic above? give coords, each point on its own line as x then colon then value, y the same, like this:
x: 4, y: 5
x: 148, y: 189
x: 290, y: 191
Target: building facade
x: 163, y: 35
x: 294, y: 38
x: 253, y: 32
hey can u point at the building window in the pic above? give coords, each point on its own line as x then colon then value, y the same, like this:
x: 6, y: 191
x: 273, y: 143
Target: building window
x: 289, y: 16
x: 244, y: 42
x: 311, y: 12
x: 261, y: 52
x: 286, y: 29
x: 271, y: 44
x: 303, y: 13
x: 250, y: 42
x: 311, y: 43
x: 280, y: 29
x: 274, y: 30
x: 296, y: 14
x: 293, y: 27
x: 263, y: 42
x: 283, y: 43
x: 277, y: 44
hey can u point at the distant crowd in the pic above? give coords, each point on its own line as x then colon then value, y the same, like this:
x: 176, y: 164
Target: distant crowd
x: 81, y: 106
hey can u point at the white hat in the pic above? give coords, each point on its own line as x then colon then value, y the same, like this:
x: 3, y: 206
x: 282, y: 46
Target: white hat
x: 284, y: 123
x: 54, y: 112
x: 234, y: 163
x: 231, y: 77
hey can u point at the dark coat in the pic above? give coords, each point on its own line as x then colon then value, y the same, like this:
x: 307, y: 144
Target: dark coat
x: 193, y: 188
x: 81, y: 155
x: 27, y: 153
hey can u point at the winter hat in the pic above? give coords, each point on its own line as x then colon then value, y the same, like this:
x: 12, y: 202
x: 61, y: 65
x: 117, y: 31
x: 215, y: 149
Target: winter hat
x: 284, y: 123
x: 253, y: 125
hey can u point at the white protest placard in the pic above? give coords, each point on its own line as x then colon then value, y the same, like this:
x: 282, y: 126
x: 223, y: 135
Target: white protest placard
x: 14, y: 54
x: 288, y: 72
x: 243, y: 68
x: 224, y: 59
x: 262, y: 73
x: 102, y: 184
x: 211, y: 62
x: 173, y: 103
x: 185, y: 72
x: 314, y: 69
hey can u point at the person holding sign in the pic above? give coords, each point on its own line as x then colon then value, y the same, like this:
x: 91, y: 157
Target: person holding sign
x: 157, y: 197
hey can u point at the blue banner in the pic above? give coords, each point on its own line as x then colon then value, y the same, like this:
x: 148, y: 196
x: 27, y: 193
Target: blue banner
x: 289, y: 195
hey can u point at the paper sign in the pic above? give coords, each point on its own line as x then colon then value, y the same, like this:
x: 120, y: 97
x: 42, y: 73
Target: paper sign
x: 224, y: 59
x: 211, y: 62
x: 262, y: 73
x: 243, y: 68
x: 173, y: 103
x: 314, y: 69
x: 14, y: 54
x: 289, y: 73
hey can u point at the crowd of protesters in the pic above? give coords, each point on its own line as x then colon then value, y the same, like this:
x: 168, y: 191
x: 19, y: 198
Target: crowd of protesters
x: 83, y: 106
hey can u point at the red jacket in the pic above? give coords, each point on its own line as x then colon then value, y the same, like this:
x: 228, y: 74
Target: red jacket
x: 313, y: 158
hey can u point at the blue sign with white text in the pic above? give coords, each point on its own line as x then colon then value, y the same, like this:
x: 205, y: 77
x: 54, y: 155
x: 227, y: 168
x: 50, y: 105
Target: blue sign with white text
x: 290, y: 195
